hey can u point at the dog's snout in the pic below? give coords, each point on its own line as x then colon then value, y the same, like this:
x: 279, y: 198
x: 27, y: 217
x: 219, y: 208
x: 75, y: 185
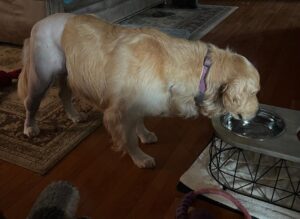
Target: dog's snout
x: 249, y: 116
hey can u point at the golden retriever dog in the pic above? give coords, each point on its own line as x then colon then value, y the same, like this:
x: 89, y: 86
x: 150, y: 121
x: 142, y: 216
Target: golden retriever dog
x: 130, y: 73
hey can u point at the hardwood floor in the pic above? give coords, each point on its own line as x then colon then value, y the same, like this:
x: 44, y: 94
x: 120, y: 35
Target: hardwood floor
x: 266, y: 32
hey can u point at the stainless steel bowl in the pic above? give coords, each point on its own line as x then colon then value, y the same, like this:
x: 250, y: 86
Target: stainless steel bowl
x: 264, y: 125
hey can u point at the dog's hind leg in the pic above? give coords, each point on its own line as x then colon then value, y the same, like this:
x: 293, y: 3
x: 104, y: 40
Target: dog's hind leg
x: 37, y: 87
x: 122, y: 128
x: 65, y: 95
x: 42, y: 70
x: 144, y: 134
x: 46, y: 61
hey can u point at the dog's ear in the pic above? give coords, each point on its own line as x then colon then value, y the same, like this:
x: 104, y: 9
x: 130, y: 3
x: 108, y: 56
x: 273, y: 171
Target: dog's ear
x: 232, y: 93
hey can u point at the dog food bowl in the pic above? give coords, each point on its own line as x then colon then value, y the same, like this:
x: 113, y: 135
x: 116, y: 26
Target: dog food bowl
x: 272, y: 132
x: 265, y: 124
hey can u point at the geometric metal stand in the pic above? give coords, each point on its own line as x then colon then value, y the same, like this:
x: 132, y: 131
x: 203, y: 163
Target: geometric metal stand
x: 259, y: 176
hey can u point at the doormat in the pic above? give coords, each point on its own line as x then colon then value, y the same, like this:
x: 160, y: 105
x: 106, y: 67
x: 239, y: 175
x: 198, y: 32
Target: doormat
x: 184, y: 23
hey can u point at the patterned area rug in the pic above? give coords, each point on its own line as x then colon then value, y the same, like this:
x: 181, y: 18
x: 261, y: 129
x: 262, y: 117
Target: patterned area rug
x: 185, y: 23
x: 58, y: 136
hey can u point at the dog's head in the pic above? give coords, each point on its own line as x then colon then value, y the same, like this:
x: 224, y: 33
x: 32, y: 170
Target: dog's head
x: 232, y: 86
x: 239, y: 98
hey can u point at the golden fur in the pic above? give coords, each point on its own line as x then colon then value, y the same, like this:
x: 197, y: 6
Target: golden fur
x: 131, y: 73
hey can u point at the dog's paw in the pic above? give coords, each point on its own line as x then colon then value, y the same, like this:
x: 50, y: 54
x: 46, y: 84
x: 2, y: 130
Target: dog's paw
x: 144, y: 161
x: 31, y: 131
x: 79, y: 117
x: 148, y: 138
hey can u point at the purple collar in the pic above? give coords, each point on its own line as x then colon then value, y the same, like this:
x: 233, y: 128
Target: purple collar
x: 205, y: 70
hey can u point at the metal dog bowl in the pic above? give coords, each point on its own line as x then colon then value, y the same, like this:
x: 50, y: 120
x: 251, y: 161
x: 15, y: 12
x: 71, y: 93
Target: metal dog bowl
x: 272, y: 132
x: 265, y: 124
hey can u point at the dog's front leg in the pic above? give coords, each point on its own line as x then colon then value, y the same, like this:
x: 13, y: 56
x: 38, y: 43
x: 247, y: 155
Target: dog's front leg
x: 122, y: 127
x: 144, y: 134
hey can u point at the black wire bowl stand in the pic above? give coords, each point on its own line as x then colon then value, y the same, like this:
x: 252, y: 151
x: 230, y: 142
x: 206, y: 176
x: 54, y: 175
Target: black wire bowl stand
x: 253, y: 183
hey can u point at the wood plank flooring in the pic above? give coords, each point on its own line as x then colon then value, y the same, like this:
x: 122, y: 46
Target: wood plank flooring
x: 267, y: 32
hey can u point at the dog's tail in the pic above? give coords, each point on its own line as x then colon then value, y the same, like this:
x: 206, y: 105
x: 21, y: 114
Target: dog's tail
x: 22, y: 81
